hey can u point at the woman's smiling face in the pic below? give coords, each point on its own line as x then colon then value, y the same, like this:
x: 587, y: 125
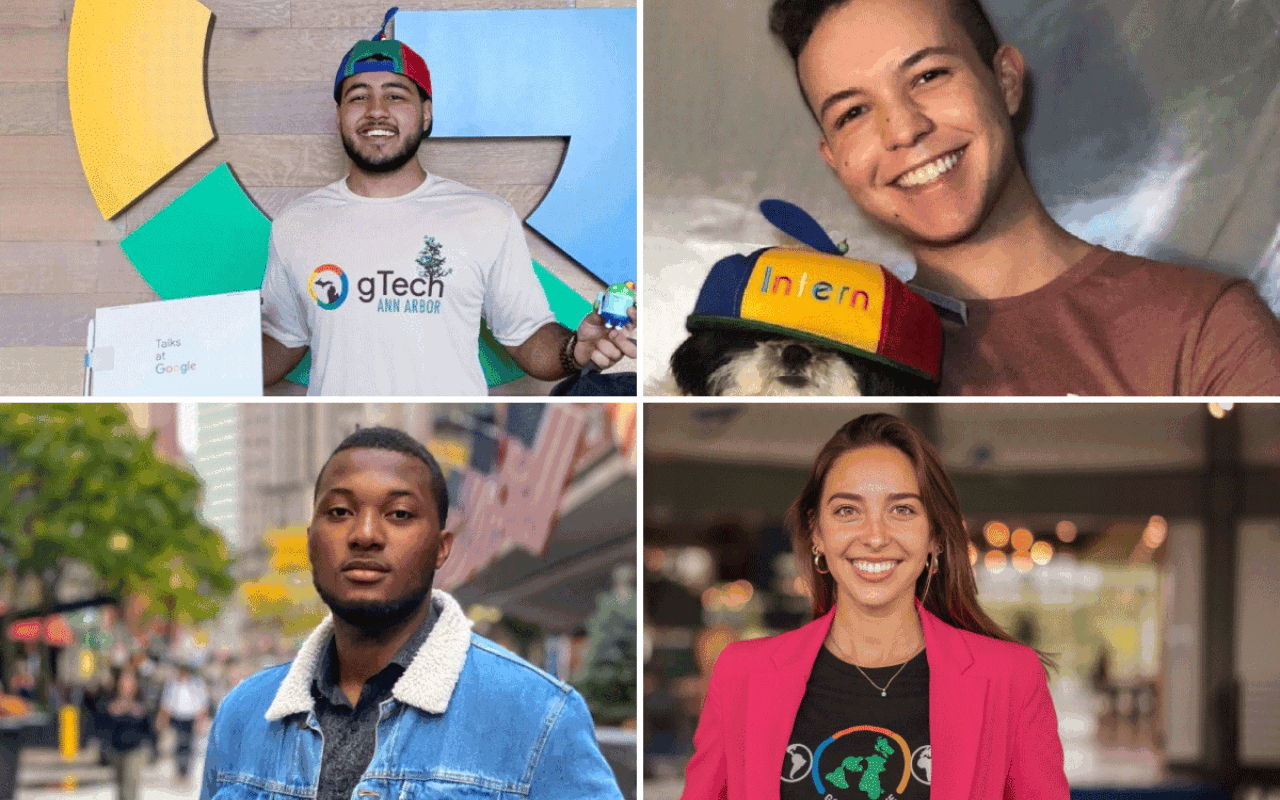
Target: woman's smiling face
x: 872, y: 527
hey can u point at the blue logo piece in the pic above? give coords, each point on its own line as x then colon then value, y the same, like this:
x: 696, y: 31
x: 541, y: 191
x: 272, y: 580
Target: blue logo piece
x: 569, y: 72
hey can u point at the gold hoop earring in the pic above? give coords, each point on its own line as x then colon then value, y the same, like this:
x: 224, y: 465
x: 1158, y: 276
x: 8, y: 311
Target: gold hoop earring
x: 817, y: 555
x: 931, y: 567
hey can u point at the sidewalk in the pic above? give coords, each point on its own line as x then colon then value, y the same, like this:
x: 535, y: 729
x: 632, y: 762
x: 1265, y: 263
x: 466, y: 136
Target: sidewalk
x: 43, y: 775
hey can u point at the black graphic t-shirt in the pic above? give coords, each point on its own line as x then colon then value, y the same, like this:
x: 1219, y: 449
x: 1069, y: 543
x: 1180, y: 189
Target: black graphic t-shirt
x: 851, y: 743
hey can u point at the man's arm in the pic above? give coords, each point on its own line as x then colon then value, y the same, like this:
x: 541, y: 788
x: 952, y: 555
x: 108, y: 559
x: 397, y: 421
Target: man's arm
x: 570, y: 765
x: 540, y: 354
x: 284, y: 319
x: 278, y: 360
x: 209, y: 780
x: 1237, y: 352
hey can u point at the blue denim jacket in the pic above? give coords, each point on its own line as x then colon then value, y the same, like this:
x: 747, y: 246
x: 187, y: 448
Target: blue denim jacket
x: 467, y: 719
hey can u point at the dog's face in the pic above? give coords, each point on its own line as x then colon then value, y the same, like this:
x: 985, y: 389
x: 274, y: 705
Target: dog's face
x: 746, y: 363
x: 784, y: 368
x: 738, y: 363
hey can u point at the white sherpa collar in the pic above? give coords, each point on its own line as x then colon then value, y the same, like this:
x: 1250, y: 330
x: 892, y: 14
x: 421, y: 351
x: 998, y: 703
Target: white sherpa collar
x: 427, y: 683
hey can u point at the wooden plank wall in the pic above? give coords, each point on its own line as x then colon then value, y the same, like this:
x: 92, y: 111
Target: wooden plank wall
x: 270, y: 73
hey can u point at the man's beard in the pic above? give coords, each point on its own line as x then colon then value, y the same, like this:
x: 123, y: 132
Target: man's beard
x: 373, y: 618
x: 389, y: 163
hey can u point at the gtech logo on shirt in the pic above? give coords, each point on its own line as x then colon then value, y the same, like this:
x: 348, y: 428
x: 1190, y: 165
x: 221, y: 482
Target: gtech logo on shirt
x: 394, y: 293
x: 328, y: 286
x: 398, y: 294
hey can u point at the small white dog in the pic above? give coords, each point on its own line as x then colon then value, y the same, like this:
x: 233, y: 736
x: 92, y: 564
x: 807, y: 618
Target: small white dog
x: 785, y: 368
x: 753, y: 364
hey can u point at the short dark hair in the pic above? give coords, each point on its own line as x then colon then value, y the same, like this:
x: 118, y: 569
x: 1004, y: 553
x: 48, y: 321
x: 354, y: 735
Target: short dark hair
x: 793, y: 21
x: 396, y: 441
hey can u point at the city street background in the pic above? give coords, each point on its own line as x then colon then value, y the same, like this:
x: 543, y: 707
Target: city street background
x: 151, y: 538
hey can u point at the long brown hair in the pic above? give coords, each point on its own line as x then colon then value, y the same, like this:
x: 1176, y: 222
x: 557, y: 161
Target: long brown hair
x: 952, y: 592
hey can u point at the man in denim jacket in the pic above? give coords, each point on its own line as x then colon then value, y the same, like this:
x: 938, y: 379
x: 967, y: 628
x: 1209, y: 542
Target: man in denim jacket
x: 393, y: 696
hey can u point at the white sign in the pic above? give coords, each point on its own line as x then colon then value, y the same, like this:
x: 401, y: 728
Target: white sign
x: 198, y: 346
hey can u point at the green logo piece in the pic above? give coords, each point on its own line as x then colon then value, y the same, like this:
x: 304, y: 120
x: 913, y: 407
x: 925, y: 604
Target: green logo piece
x: 871, y: 767
x: 837, y: 778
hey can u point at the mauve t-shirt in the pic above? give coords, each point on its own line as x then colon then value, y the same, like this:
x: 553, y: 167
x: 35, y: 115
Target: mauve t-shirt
x: 1115, y: 324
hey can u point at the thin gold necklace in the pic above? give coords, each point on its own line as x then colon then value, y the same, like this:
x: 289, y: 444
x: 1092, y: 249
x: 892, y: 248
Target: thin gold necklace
x: 884, y: 690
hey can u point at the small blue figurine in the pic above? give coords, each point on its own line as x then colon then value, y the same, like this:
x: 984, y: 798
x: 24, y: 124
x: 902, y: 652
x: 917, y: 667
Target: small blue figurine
x: 612, y: 304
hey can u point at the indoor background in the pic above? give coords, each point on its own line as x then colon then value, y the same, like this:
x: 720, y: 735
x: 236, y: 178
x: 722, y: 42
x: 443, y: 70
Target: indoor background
x: 1136, y: 542
x: 1152, y: 128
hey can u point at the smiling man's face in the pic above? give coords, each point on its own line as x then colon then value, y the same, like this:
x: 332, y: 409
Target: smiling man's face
x: 381, y: 117
x: 375, y: 541
x: 915, y: 126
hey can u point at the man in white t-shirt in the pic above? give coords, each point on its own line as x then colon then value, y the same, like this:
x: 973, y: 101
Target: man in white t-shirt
x: 385, y: 274
x: 184, y: 705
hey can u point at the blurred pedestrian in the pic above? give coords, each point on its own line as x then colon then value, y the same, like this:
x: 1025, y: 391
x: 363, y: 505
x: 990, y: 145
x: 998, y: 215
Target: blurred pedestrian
x: 1100, y: 672
x: 150, y: 687
x: 98, y: 694
x: 128, y: 727
x: 183, y: 706
x: 23, y: 682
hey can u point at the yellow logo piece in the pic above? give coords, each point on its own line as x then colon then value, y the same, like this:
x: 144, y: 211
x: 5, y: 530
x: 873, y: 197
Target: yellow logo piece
x: 135, y: 81
x: 836, y: 298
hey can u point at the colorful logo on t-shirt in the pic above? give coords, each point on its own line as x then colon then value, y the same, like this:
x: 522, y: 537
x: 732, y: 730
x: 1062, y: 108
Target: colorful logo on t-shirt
x: 866, y: 759
x: 328, y: 286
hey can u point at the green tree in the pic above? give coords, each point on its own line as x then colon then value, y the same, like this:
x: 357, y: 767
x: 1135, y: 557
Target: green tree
x: 431, y: 260
x: 79, y: 485
x: 608, y: 677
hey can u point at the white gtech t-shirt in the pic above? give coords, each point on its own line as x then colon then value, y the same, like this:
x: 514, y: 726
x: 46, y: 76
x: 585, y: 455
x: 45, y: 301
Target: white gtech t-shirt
x: 388, y: 292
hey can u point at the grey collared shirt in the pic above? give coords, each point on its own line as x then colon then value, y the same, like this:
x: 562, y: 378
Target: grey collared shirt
x: 350, y: 733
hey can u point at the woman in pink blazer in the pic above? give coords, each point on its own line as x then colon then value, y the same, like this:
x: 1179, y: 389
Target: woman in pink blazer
x: 899, y: 657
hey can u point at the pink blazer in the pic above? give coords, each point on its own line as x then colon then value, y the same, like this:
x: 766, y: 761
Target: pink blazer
x: 992, y: 729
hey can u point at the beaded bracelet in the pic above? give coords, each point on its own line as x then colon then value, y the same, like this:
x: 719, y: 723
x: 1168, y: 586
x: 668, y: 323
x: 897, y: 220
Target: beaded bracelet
x: 567, y: 362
